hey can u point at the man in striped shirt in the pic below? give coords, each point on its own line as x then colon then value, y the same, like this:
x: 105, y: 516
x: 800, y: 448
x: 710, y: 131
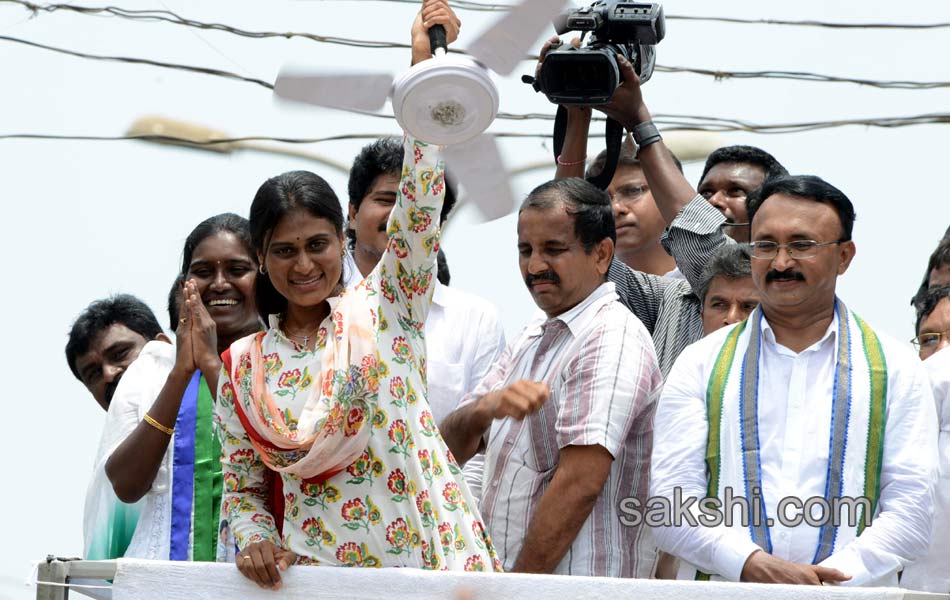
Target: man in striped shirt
x: 565, y: 417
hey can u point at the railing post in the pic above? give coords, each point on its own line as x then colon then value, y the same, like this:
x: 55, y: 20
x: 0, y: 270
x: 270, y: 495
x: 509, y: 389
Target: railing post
x: 52, y: 571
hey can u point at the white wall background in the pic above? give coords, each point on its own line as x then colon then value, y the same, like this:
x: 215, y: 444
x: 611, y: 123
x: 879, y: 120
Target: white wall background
x: 81, y: 220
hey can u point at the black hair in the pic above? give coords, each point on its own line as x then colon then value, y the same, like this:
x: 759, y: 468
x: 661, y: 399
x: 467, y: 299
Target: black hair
x: 747, y: 155
x: 926, y: 301
x: 225, y: 222
x: 174, y: 301
x: 628, y: 158
x: 277, y: 197
x: 812, y: 188
x: 732, y: 261
x: 588, y: 204
x: 442, y: 272
x: 939, y: 258
x: 101, y: 314
x: 384, y: 157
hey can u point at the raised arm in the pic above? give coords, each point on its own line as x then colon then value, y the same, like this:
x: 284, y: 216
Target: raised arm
x: 408, y: 265
x: 694, y: 226
x: 670, y: 189
x: 573, y: 157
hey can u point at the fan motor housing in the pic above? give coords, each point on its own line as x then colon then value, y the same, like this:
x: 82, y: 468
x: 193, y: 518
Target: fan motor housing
x: 446, y: 100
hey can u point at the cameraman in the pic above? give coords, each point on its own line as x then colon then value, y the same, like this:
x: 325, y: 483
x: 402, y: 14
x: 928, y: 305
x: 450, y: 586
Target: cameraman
x: 670, y: 310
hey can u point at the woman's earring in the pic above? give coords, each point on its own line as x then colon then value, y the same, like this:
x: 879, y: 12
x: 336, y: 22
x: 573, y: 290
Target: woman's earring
x: 262, y: 270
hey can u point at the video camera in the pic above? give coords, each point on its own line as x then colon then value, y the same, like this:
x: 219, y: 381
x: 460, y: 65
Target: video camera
x: 590, y: 75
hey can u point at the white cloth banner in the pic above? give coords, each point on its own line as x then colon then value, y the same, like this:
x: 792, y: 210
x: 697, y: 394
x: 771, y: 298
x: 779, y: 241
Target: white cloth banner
x: 147, y: 580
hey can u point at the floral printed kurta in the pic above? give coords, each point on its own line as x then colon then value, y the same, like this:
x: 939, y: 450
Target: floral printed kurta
x: 402, y: 502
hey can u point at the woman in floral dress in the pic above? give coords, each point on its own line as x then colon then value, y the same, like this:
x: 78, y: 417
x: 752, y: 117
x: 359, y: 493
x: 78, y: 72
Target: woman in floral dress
x: 333, y: 395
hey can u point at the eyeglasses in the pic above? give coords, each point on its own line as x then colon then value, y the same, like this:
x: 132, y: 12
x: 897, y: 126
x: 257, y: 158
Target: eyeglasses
x: 796, y: 249
x: 929, y: 341
x: 629, y: 192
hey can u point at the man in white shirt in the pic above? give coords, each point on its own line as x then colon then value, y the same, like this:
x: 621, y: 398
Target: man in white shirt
x: 565, y: 417
x: 801, y: 402
x: 103, y: 343
x: 463, y: 335
x: 931, y: 573
x: 105, y: 339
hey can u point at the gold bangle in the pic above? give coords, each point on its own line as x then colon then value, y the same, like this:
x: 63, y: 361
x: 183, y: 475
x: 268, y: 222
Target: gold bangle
x: 159, y: 426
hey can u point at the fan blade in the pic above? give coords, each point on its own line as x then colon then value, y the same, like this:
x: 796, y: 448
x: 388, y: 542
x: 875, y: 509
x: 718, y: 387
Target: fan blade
x: 505, y: 44
x: 366, y: 91
x: 477, y: 165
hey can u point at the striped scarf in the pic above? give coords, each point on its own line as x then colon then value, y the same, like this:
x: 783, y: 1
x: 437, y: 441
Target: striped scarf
x: 855, y: 439
x: 196, y: 477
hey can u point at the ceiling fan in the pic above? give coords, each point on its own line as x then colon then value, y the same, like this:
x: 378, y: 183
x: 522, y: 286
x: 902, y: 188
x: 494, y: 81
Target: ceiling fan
x: 449, y: 100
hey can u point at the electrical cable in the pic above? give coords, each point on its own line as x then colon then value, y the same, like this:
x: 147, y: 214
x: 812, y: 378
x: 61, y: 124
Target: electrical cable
x: 718, y: 74
x: 140, y: 61
x: 492, y: 7
x: 673, y: 122
x: 670, y: 122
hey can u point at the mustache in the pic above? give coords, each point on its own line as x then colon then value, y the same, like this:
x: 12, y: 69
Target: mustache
x: 532, y: 278
x: 783, y: 276
x: 110, y: 388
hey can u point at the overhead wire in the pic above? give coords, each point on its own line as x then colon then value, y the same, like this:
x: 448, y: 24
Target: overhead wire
x: 673, y: 122
x: 670, y: 122
x: 494, y: 7
x: 140, y: 61
x: 667, y: 122
x: 167, y: 16
x: 169, y: 139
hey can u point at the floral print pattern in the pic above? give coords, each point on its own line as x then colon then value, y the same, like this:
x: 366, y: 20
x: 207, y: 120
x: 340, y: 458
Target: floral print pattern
x: 402, y: 501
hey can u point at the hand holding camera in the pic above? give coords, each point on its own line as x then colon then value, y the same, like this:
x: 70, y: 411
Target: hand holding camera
x: 589, y: 74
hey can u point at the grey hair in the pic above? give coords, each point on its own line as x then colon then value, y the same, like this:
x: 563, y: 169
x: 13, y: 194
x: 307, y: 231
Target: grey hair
x: 732, y: 261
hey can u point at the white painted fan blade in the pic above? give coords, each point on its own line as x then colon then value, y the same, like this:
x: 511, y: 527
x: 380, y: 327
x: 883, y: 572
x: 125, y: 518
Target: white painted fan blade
x: 505, y: 44
x: 478, y: 166
x: 363, y: 91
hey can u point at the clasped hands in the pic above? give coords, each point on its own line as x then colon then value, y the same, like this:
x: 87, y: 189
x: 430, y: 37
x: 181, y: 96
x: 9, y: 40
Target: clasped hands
x: 196, y: 336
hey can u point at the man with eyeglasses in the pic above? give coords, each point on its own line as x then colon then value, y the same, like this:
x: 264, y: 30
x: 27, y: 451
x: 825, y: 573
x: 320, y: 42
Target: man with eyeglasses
x: 638, y: 220
x: 933, y: 321
x: 930, y: 573
x: 802, y: 401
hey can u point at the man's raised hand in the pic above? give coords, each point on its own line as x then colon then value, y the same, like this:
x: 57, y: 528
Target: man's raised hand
x: 626, y: 106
